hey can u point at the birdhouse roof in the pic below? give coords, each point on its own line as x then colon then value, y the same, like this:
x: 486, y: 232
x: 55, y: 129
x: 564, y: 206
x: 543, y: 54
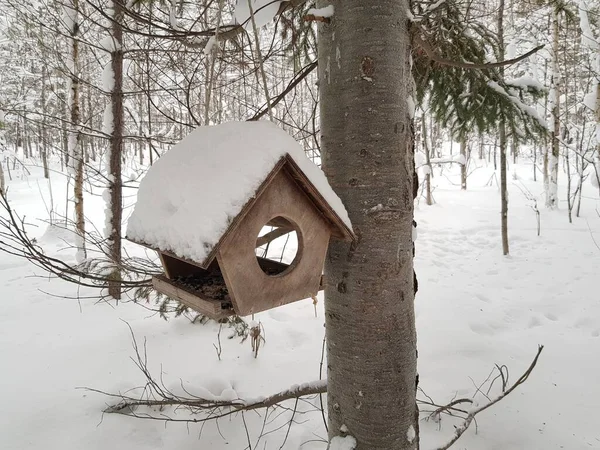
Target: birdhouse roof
x: 192, y: 195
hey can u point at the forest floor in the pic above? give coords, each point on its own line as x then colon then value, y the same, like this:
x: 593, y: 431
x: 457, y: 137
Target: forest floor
x: 475, y: 308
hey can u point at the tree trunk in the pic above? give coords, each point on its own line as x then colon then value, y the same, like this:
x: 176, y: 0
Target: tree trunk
x: 367, y: 145
x: 535, y: 150
x: 596, y: 168
x: 44, y: 128
x: 428, y: 170
x: 2, y: 181
x: 552, y: 190
x: 116, y: 147
x: 463, y: 166
x: 74, y: 139
x: 502, y: 133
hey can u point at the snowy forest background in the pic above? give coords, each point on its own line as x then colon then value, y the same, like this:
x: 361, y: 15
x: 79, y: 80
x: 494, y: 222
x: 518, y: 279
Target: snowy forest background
x: 93, y: 93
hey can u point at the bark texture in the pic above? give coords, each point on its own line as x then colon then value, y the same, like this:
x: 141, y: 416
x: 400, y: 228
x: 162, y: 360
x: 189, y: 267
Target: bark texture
x: 116, y: 145
x: 463, y: 167
x: 428, y: 170
x: 367, y: 150
x: 552, y: 189
x: 503, y: 145
x: 74, y: 146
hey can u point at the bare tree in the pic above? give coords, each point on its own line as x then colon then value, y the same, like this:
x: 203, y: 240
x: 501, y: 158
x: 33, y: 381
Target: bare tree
x: 502, y: 143
x: 114, y: 210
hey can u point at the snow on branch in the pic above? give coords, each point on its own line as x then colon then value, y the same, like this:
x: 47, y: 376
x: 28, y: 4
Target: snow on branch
x: 320, y: 14
x: 529, y: 110
x: 327, y: 11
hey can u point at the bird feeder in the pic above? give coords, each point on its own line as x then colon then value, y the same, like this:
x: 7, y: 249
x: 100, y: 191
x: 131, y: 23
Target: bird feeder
x: 222, y: 193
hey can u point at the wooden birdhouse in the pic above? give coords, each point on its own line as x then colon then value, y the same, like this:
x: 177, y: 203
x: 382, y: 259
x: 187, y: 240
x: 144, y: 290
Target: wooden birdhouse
x: 215, y: 203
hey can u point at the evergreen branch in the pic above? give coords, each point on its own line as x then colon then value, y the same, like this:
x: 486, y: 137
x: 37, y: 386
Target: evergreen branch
x: 422, y: 43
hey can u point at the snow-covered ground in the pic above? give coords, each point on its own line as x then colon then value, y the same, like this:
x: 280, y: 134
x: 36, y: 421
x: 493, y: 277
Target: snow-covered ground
x: 475, y: 308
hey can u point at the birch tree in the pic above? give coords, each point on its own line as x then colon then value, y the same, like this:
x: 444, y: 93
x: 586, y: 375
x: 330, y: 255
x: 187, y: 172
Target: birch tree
x: 552, y: 184
x: 75, y: 151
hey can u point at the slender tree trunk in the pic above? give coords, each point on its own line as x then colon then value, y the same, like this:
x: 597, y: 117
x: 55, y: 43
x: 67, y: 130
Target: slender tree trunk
x: 552, y: 190
x: 116, y: 149
x: 463, y: 166
x: 481, y: 149
x: 367, y: 144
x: 428, y: 170
x: 535, y: 168
x: 44, y: 129
x: 596, y: 172
x: 502, y: 139
x: 74, y: 137
x: 2, y: 181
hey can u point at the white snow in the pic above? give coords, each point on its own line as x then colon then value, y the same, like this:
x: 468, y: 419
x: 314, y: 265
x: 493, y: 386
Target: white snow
x: 107, y: 119
x: 342, y: 443
x: 411, y: 106
x: 411, y: 434
x: 69, y: 18
x: 522, y: 106
x: 525, y: 82
x: 108, y: 78
x: 326, y: 11
x: 456, y: 158
x: 435, y: 5
x: 587, y: 36
x: 190, y: 195
x: 210, y: 44
x: 511, y: 51
x: 264, y: 11
x: 109, y: 44
x: 590, y: 99
x: 172, y: 16
x: 474, y: 308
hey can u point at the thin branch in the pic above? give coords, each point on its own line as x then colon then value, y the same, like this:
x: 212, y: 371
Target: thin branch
x: 459, y: 431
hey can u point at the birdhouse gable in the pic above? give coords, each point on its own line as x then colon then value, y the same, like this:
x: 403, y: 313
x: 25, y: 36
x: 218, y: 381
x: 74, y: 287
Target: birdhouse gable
x: 198, y: 192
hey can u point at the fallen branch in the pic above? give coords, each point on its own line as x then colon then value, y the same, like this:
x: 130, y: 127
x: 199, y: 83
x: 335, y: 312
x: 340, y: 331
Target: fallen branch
x: 459, y: 431
x: 156, y: 395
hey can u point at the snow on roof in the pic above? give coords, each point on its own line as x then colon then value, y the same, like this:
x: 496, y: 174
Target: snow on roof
x: 191, y: 194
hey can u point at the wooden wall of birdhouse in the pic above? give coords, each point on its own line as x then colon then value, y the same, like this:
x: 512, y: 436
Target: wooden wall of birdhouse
x: 253, y: 288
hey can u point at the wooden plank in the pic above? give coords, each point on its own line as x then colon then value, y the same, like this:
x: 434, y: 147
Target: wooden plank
x: 272, y: 235
x: 210, y: 308
x: 250, y: 288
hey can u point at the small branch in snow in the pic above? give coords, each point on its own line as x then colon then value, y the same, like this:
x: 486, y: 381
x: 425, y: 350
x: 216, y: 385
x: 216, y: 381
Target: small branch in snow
x: 473, y: 412
x: 156, y: 394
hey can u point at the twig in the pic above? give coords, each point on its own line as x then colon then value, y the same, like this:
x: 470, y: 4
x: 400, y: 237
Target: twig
x: 218, y: 349
x: 592, y: 234
x: 459, y: 431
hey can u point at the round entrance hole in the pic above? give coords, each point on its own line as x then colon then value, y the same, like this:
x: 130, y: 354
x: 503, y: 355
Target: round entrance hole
x: 278, y: 246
